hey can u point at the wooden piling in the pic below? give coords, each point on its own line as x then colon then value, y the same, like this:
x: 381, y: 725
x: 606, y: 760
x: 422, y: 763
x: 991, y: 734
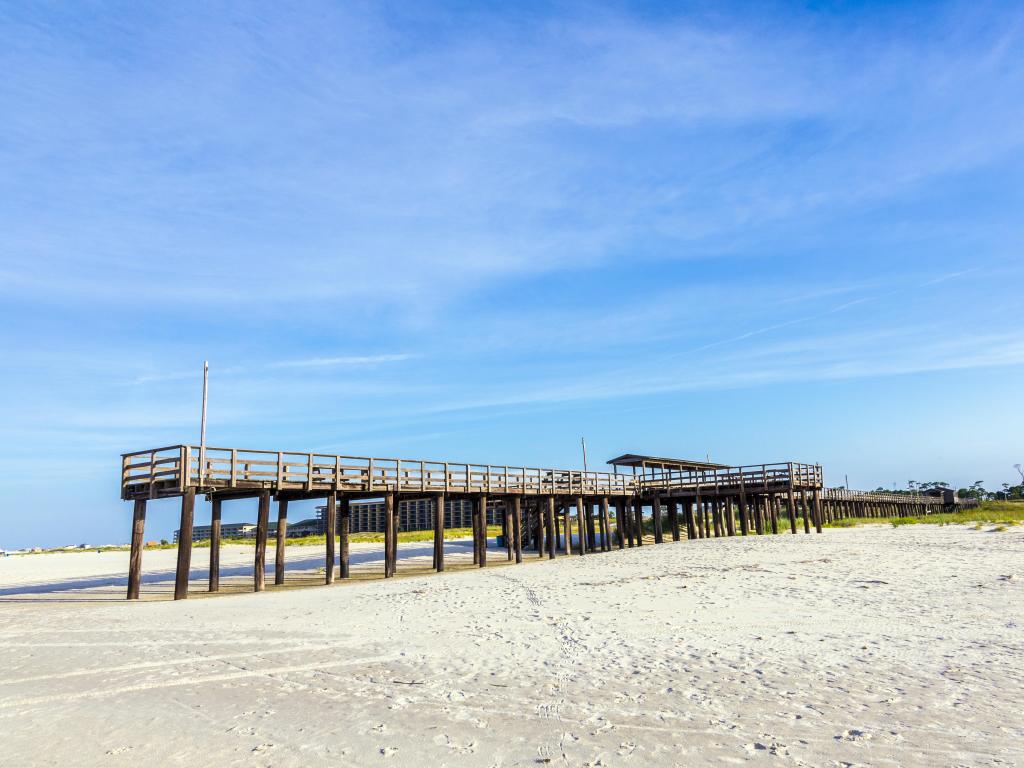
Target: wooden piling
x: 279, y: 541
x: 581, y: 526
x: 344, y: 525
x: 807, y: 511
x: 517, y: 527
x: 817, y: 510
x: 606, y: 525
x: 330, y: 533
x: 506, y: 526
x: 791, y: 507
x: 552, y: 534
x: 389, y: 536
x: 259, y: 571
x: 656, y: 518
x: 481, y: 504
x: 566, y: 527
x: 474, y: 520
x: 673, y: 518
x: 744, y: 519
x: 638, y: 519
x: 188, y: 504
x: 214, y: 581
x: 542, y: 525
x: 138, y: 542
x: 439, y: 531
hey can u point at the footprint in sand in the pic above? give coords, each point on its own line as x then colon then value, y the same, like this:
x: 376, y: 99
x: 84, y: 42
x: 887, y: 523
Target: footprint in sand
x: 853, y: 734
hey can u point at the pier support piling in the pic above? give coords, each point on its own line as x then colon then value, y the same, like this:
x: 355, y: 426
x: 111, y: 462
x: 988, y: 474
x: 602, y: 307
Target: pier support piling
x: 138, y: 542
x: 188, y: 505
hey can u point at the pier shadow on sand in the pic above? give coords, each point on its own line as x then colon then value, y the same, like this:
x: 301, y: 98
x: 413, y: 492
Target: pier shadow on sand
x: 112, y: 587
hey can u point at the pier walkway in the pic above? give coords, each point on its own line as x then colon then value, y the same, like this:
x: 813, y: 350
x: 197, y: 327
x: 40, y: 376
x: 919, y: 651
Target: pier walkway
x: 539, y: 507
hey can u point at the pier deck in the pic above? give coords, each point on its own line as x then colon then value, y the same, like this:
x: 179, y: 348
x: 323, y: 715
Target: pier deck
x: 539, y: 507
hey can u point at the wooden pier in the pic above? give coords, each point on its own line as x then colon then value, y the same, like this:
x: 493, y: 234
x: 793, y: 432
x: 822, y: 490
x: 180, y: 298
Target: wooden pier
x: 549, y: 511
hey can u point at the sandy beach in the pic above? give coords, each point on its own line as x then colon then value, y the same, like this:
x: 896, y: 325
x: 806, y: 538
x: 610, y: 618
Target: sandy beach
x: 868, y: 646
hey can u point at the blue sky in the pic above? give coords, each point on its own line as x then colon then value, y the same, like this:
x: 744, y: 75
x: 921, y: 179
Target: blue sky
x: 479, y: 231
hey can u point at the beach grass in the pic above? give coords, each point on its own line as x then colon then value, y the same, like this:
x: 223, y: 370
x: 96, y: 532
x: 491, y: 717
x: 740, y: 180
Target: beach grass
x: 999, y: 513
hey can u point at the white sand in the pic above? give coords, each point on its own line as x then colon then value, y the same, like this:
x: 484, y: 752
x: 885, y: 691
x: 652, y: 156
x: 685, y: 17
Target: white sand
x: 873, y: 646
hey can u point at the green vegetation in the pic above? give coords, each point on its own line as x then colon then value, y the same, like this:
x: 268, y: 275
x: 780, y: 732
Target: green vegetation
x: 1001, y: 513
x: 355, y: 538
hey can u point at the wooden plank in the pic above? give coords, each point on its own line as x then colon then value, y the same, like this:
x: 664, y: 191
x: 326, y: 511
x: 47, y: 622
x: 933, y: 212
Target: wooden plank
x: 188, y: 504
x: 138, y: 542
x: 260, y: 559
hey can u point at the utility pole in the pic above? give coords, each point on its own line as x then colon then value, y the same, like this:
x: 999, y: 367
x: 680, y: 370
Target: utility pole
x: 583, y: 442
x: 202, y: 428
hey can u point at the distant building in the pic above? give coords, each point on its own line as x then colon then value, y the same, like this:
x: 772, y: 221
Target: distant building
x: 314, y: 526
x: 413, y: 515
x: 227, y: 531
x: 366, y: 516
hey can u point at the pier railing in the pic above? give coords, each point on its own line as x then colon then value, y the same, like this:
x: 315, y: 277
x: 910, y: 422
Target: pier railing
x: 171, y: 470
x: 887, y: 497
x: 756, y: 478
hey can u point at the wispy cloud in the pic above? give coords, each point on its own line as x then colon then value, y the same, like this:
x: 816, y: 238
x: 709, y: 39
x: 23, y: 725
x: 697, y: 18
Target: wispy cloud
x: 345, y: 360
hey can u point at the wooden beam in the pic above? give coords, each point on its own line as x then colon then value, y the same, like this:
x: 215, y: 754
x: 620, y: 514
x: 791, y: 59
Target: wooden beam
x: 260, y: 562
x: 282, y: 537
x: 214, y: 584
x: 138, y: 542
x: 188, y: 505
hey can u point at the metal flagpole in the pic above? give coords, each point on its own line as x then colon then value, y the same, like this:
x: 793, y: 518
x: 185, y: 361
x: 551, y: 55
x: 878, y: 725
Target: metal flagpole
x: 202, y: 429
